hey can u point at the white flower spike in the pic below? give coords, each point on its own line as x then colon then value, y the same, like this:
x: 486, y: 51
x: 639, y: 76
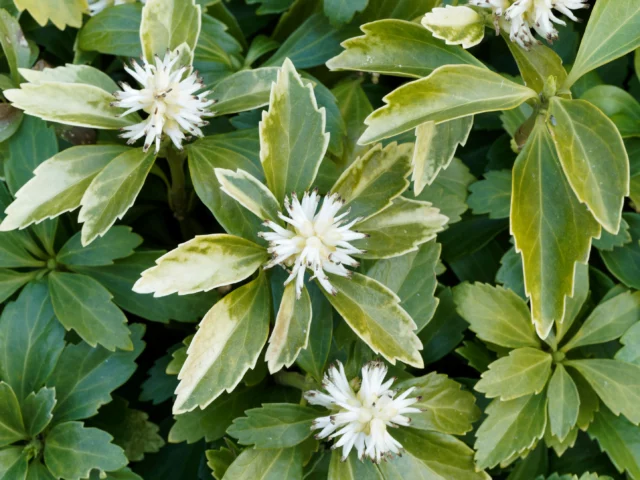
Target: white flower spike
x: 170, y: 101
x: 96, y: 6
x: 524, y: 15
x: 318, y: 241
x: 361, y: 419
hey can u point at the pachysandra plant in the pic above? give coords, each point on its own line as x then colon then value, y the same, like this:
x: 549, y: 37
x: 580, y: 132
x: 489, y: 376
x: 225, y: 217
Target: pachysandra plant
x: 553, y: 389
x: 322, y: 234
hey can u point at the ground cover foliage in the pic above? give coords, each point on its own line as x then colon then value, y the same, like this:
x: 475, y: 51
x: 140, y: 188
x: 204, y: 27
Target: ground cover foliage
x: 320, y: 239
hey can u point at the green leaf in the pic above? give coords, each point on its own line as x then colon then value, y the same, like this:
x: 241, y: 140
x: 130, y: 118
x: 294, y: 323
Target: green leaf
x: 431, y: 455
x: 113, y: 31
x: 18, y: 470
x: 492, y: 195
x: 543, y: 212
x: 253, y: 464
x: 617, y: 104
x: 112, y: 192
x: 342, y: 11
x: 608, y: 321
x: 313, y: 358
x: 60, y: 12
x: 9, y: 457
x: 403, y: 9
x: 612, y: 32
x: 77, y: 104
x: 84, y: 377
x: 130, y: 428
x: 212, y: 422
x: 233, y: 151
x: 397, y: 47
x: 456, y: 25
x: 444, y: 407
x: 120, y: 277
x: 291, y: 331
x: 443, y: 333
x: 537, y: 64
x: 244, y: 90
x: 219, y: 460
x: 413, y: 278
x: 10, y: 121
x: 11, y: 281
x: 335, y: 123
x: 83, y: 305
x: 616, y: 383
x: 608, y: 241
x: 202, y: 264
x: 354, y: 108
x: 290, y: 149
x: 31, y: 340
x: 564, y: 403
x: 158, y: 386
x: 374, y: 314
x: 496, y: 315
x: 624, y: 262
x: 167, y: 24
x: 313, y: 43
x: 71, y: 451
x: 352, y: 468
x: 274, y: 425
x: 435, y: 148
x: 524, y: 371
x: 630, y: 352
x: 14, y: 44
x: 118, y: 242
x: 37, y: 410
x: 236, y: 327
x: 588, y: 142
x: 249, y: 192
x: 32, y: 144
x: 373, y: 180
x: 589, y: 402
x: 59, y: 183
x: 12, y: 427
x: 443, y: 95
x: 510, y: 428
x: 619, y: 438
x: 399, y: 229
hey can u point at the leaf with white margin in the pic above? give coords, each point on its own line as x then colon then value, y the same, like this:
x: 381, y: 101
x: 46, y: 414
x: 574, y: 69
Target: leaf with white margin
x: 76, y: 74
x: 60, y: 12
x: 552, y: 229
x: 293, y: 140
x: 593, y: 157
x: 450, y: 92
x: 249, y: 192
x: 58, y: 185
x: 373, y: 180
x: 399, y: 229
x: 228, y: 343
x: 112, y: 192
x: 244, y: 90
x: 455, y: 25
x: 374, y: 313
x: 398, y: 47
x: 291, y: 330
x: 202, y: 264
x: 435, y: 147
x: 167, y: 24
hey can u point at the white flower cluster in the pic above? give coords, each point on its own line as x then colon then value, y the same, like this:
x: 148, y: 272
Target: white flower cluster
x: 170, y: 101
x: 318, y: 241
x: 524, y: 15
x: 361, y: 419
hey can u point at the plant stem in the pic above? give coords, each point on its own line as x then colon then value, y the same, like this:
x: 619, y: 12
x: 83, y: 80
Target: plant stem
x: 178, y: 200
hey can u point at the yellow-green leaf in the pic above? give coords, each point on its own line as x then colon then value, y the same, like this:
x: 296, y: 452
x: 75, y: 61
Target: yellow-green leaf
x: 291, y: 330
x: 450, y: 92
x: 397, y: 47
x: 235, y: 328
x: 374, y: 314
x: 593, y: 157
x: 293, y: 140
x: 435, y: 147
x: 523, y: 372
x: 60, y: 12
x: 249, y: 192
x: 202, y: 264
x: 167, y: 24
x: 537, y: 64
x: 564, y: 403
x: 552, y: 229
